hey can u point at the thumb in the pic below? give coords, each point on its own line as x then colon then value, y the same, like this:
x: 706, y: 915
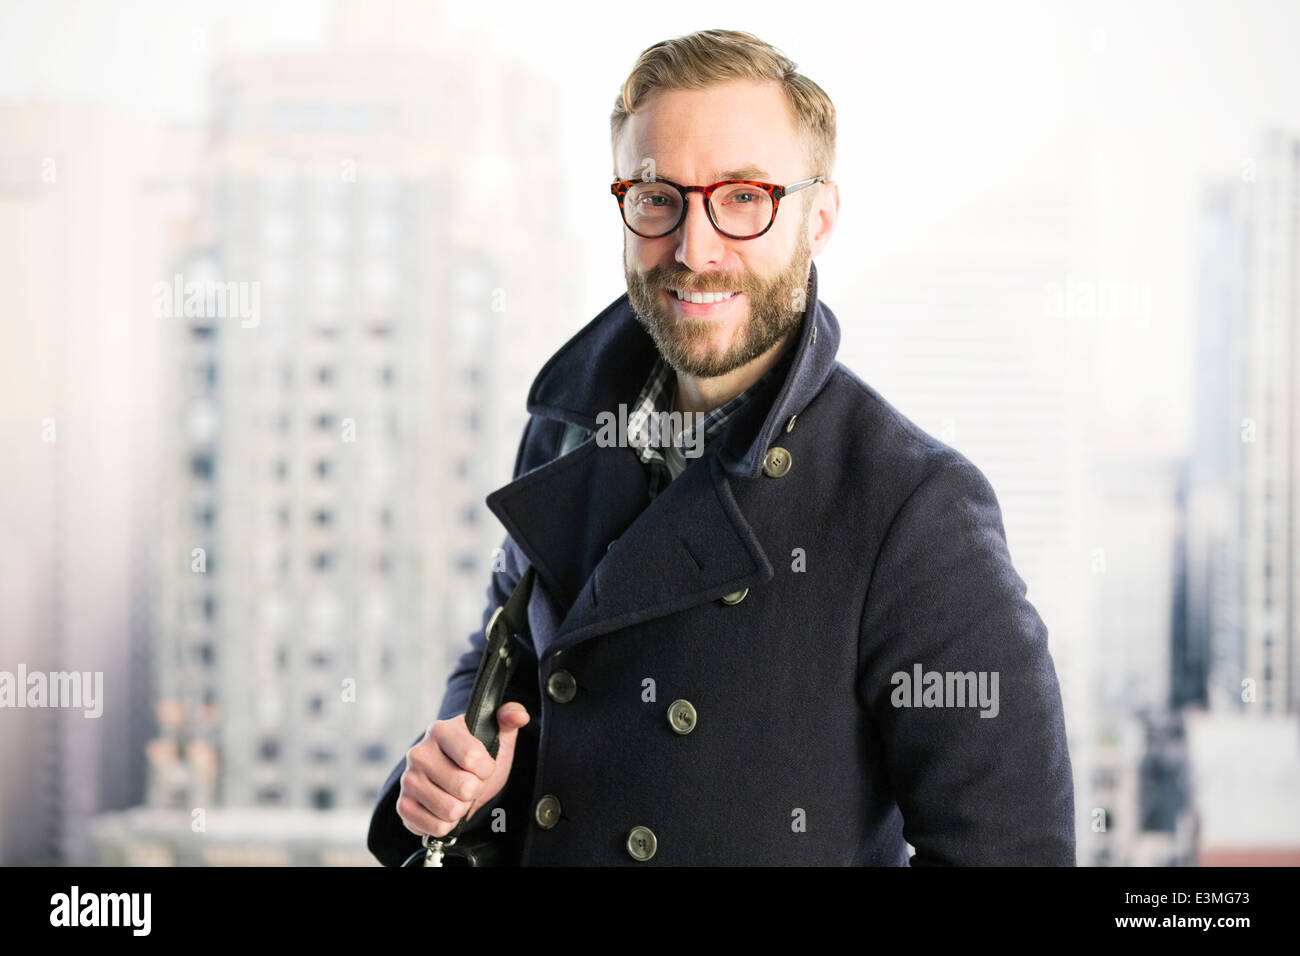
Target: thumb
x: 511, y: 716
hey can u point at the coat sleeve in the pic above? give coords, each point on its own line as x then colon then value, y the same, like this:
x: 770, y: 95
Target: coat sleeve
x: 983, y: 784
x: 388, y: 838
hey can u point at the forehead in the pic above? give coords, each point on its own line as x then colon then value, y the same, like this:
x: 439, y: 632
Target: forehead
x: 735, y: 130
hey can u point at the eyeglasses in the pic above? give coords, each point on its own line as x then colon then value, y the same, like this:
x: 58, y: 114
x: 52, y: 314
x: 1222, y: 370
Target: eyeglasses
x: 738, y: 208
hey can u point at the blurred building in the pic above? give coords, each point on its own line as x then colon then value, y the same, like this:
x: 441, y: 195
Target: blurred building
x: 1140, y: 815
x: 1139, y: 778
x: 89, y: 196
x: 1244, y: 598
x: 1235, y: 662
x: 1271, y: 491
x: 1245, y: 787
x: 1213, y: 642
x: 379, y: 217
x: 147, y: 836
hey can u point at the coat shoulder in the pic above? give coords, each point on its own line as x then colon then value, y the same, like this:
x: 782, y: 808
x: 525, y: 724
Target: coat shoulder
x: 880, y: 445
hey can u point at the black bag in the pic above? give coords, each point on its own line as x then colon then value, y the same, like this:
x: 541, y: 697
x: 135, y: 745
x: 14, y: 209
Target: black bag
x: 488, y: 693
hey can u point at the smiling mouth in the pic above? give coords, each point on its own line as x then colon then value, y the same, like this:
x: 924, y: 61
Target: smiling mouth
x: 701, y: 298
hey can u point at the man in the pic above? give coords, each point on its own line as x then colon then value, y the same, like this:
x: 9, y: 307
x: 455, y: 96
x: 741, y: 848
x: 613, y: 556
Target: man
x: 788, y: 632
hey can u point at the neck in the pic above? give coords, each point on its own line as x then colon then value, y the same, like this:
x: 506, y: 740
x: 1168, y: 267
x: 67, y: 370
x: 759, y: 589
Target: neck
x: 694, y: 394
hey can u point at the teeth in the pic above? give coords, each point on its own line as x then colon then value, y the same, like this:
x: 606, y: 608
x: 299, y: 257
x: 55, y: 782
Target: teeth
x: 703, y: 298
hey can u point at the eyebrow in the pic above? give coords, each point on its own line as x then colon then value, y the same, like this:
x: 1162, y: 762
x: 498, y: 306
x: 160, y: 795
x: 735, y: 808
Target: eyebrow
x: 745, y: 172
x: 749, y: 171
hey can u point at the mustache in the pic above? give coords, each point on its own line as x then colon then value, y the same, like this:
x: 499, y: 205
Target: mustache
x: 694, y: 282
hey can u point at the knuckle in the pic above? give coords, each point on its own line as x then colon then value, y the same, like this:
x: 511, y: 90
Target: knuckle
x: 451, y: 808
x: 467, y: 786
x: 405, y: 810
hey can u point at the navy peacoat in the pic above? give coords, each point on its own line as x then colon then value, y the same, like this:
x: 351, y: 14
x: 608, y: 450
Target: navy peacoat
x: 810, y: 657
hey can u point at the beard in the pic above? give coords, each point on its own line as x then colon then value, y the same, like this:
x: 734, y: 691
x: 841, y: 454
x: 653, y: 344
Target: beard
x: 776, y: 307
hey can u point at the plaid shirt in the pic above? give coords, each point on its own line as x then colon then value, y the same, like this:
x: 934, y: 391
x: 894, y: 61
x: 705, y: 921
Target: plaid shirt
x: 663, y: 453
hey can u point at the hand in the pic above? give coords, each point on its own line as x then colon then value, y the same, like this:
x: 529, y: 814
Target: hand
x: 449, y: 773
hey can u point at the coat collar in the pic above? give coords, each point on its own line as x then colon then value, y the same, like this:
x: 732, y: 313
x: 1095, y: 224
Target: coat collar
x: 609, y: 359
x: 586, y: 511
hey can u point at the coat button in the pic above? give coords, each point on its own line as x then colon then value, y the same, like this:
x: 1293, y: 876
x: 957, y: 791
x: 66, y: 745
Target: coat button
x: 735, y: 597
x: 776, y: 462
x: 547, y: 811
x: 641, y: 843
x: 561, y: 686
x: 681, y: 716
x: 610, y: 545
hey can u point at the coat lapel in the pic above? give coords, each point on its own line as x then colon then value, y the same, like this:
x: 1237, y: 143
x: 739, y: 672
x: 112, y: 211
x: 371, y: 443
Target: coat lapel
x: 692, y: 543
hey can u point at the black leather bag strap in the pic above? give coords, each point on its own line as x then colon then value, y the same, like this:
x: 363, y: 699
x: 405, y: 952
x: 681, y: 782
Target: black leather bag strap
x: 495, y: 669
x: 498, y: 664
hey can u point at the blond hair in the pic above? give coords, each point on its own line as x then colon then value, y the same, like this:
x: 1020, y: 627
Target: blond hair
x: 708, y: 57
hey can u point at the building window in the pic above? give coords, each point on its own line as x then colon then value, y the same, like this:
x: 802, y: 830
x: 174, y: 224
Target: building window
x: 270, y: 749
x: 322, y: 798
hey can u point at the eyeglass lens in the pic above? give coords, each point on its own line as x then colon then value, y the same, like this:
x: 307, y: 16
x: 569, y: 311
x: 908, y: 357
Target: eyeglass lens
x: 652, y: 209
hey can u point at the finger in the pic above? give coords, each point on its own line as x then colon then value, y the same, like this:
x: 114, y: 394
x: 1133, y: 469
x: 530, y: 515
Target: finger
x: 430, y: 771
x: 416, y: 818
x: 464, y: 749
x: 435, y: 801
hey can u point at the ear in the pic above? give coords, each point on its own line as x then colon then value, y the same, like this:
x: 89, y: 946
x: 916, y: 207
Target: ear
x: 825, y: 213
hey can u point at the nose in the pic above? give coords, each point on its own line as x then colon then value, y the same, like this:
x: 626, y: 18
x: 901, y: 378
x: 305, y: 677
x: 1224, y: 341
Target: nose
x: 699, y: 246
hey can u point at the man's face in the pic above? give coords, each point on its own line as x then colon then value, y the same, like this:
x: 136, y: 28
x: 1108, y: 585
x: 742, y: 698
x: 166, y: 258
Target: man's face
x: 695, y: 138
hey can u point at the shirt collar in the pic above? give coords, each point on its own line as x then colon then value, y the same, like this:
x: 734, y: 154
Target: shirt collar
x: 656, y: 398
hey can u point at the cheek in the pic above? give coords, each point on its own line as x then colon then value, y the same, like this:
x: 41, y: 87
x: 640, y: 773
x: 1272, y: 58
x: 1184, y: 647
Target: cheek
x: 641, y: 255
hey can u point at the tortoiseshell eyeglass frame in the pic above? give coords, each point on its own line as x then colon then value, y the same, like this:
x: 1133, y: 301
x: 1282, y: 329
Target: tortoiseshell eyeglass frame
x: 621, y: 187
